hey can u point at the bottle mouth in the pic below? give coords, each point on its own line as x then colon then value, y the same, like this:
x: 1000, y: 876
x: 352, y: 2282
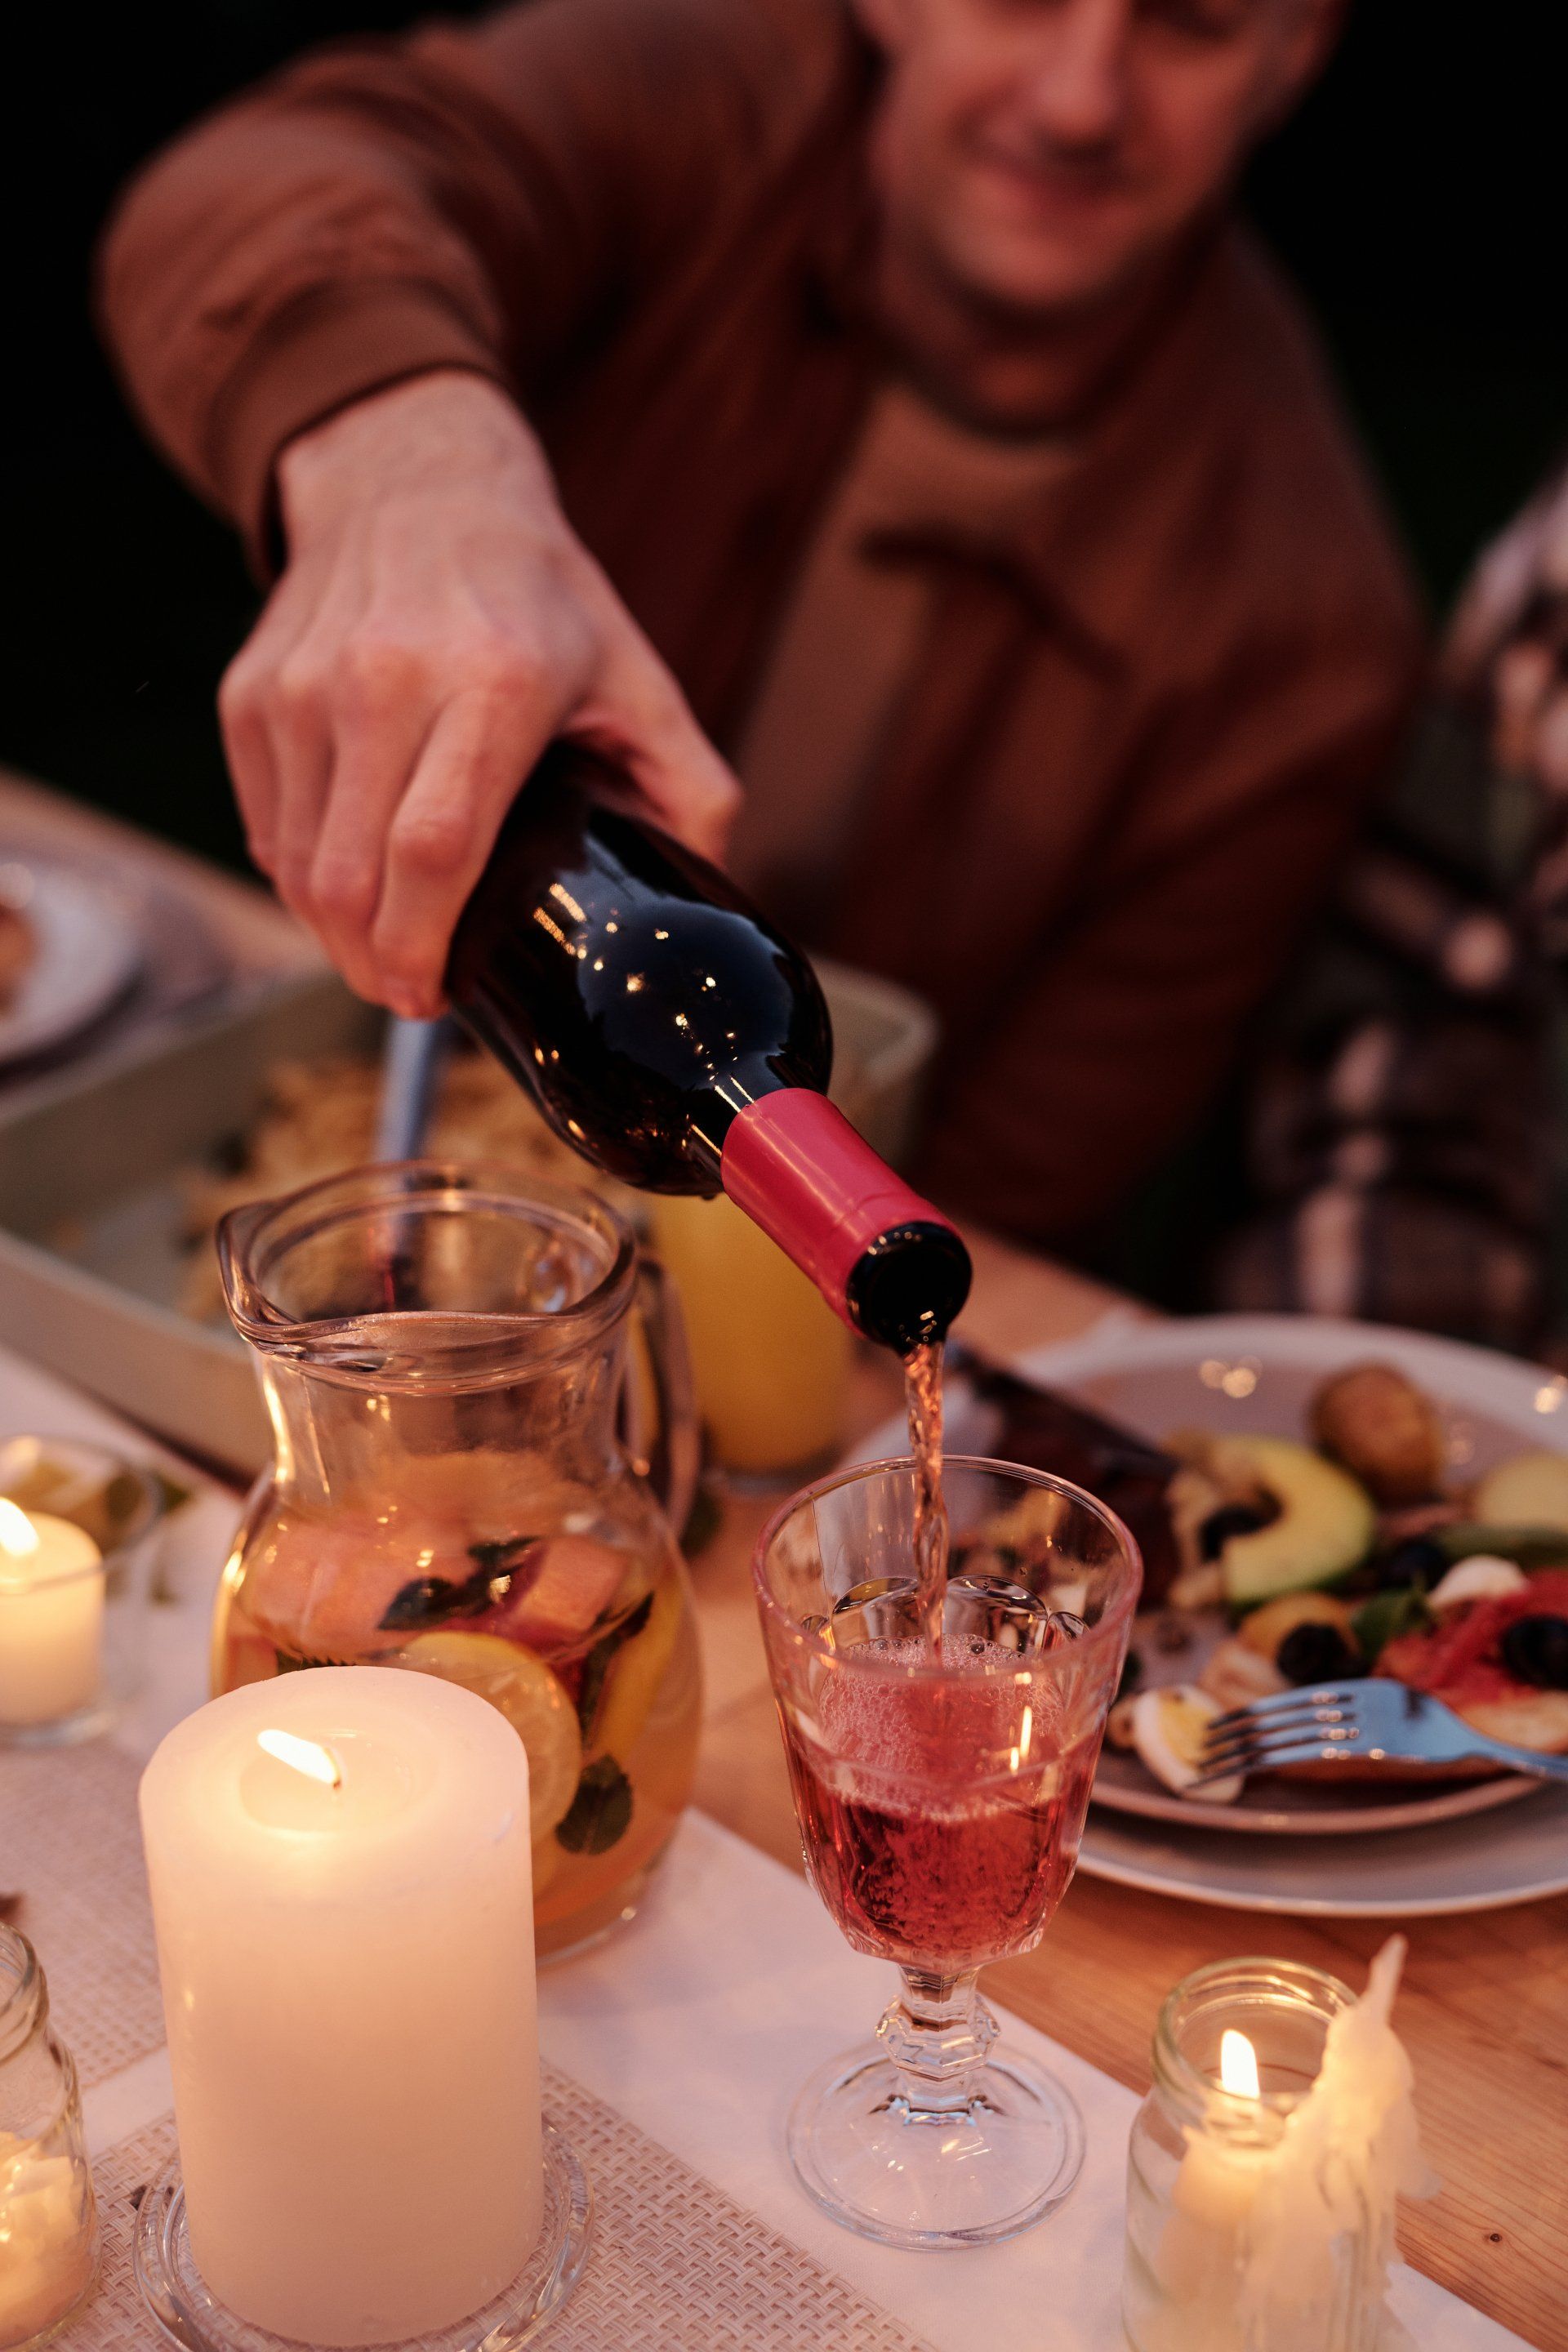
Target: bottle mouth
x: 424, y: 1270
x: 910, y: 1285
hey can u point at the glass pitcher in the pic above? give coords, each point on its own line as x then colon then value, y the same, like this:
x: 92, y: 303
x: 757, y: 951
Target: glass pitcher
x: 445, y: 1352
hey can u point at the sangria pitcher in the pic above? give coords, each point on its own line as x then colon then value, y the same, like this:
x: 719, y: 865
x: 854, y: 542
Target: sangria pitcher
x: 444, y: 1351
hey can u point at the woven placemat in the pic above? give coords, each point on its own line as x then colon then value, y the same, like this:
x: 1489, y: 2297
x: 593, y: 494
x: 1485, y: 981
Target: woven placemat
x: 675, y: 2266
x: 70, y: 1848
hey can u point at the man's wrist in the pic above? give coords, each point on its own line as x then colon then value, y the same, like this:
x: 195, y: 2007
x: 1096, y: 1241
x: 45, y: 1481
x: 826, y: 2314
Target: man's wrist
x: 444, y: 421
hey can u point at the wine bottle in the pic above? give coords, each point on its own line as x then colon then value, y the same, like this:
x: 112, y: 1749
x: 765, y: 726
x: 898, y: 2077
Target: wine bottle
x: 676, y: 1039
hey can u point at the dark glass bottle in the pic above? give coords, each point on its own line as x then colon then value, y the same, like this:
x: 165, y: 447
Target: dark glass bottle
x: 680, y: 1042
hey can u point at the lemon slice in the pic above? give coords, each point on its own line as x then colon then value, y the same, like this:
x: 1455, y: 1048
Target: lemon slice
x: 1169, y: 1727
x: 532, y: 1701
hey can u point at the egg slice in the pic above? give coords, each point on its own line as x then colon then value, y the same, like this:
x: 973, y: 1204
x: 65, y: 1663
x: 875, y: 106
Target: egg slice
x: 1169, y: 1727
x: 1482, y: 1577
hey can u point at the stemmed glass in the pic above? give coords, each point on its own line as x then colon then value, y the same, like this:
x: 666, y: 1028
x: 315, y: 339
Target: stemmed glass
x: 941, y: 1806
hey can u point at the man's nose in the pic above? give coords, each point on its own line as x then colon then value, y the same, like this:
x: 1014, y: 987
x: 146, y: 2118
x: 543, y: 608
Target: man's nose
x: 1078, y: 95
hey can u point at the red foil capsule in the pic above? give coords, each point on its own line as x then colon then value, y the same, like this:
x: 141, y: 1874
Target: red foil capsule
x: 798, y: 1169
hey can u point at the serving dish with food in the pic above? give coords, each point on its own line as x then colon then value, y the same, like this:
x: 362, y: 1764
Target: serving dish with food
x: 1314, y: 1501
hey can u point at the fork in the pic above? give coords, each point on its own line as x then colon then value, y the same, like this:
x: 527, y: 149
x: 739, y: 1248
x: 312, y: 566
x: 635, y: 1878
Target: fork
x: 1361, y: 1720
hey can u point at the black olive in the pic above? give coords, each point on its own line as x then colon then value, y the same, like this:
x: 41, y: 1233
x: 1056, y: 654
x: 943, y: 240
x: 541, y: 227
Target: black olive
x: 1535, y: 1650
x: 1132, y: 1675
x: 1418, y: 1561
x: 1317, y: 1653
x: 1232, y: 1520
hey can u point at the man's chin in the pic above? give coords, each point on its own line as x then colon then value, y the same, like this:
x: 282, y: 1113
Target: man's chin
x: 1042, y: 280
x: 1040, y: 263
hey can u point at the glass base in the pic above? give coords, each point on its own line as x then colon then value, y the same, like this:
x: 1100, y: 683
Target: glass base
x: 959, y: 2173
x: 65, y: 1730
x: 188, y: 2311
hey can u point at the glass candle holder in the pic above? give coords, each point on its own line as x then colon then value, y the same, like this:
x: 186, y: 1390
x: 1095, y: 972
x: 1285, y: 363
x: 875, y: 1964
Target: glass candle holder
x: 1198, y: 2158
x: 49, y: 2221
x: 79, y: 1528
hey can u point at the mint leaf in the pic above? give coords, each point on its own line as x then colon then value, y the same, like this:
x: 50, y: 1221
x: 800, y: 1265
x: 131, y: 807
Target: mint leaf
x: 1402, y: 1609
x: 600, y: 1812
x: 596, y: 1665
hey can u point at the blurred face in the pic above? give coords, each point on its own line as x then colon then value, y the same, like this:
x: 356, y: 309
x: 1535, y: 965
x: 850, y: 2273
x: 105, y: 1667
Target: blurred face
x: 1042, y: 155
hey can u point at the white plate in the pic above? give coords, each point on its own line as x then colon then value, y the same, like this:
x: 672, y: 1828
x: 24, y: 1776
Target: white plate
x: 1517, y: 1856
x: 87, y: 953
x: 1256, y: 1374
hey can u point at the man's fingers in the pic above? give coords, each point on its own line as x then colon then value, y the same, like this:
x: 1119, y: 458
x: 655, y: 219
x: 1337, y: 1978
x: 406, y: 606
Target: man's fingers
x: 478, y: 752
x: 379, y: 729
x: 299, y: 730
x: 248, y: 750
x: 637, y: 716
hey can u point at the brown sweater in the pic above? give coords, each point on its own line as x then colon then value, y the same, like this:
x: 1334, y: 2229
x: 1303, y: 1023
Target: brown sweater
x: 1148, y: 710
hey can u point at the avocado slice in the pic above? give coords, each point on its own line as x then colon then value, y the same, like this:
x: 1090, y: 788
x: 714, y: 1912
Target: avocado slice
x: 1530, y: 1491
x: 1325, y: 1526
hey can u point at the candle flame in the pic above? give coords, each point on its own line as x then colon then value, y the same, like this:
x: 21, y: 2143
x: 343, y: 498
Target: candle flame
x: 1237, y: 2065
x: 305, y: 1756
x: 19, y: 1536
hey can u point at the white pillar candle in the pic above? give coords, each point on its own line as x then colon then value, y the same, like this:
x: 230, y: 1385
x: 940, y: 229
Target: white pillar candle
x: 348, y: 1975
x: 52, y: 1617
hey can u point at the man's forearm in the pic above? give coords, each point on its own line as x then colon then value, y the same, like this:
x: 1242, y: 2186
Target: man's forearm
x: 463, y: 198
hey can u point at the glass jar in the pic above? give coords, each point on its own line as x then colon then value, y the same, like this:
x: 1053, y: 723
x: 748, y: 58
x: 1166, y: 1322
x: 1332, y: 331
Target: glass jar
x: 445, y: 1355
x: 1195, y: 2161
x: 49, y: 2220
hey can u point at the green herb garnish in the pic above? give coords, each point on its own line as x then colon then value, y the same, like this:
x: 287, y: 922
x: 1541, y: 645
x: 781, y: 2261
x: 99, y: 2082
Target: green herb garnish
x: 596, y: 1665
x: 601, y: 1811
x: 426, y: 1601
x: 1377, y: 1621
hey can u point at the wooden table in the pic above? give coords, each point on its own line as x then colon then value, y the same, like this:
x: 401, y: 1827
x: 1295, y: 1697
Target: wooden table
x: 1484, y: 2011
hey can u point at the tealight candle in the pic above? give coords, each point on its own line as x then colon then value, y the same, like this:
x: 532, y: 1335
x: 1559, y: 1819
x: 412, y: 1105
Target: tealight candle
x: 52, y: 1617
x: 1264, y: 2165
x: 47, y: 2242
x: 342, y: 1891
x: 49, y: 2221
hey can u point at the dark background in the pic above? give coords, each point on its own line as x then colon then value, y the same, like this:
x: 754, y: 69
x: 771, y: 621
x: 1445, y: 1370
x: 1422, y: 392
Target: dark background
x: 1417, y: 199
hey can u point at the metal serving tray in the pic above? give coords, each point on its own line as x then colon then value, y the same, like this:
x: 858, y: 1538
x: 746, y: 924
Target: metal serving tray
x: 91, y: 1209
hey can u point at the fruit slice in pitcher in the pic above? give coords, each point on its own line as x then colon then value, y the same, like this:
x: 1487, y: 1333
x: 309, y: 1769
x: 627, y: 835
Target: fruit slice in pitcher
x: 532, y: 1701
x: 560, y: 1586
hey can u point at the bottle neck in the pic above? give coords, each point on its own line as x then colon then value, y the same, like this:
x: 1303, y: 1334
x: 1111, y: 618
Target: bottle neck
x: 887, y: 1262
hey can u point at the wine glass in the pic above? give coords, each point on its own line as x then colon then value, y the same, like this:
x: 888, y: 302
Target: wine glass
x: 940, y: 1805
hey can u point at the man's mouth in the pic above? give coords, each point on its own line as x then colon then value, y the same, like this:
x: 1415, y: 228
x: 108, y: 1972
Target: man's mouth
x: 1054, y: 181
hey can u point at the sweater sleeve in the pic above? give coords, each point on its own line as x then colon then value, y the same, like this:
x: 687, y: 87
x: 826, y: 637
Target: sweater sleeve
x: 486, y: 198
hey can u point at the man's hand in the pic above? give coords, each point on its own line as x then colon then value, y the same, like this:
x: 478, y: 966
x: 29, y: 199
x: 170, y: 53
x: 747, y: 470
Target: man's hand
x: 437, y: 623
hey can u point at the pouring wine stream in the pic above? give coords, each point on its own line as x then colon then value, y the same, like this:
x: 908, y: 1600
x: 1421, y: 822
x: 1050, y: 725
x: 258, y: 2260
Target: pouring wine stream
x: 922, y: 1401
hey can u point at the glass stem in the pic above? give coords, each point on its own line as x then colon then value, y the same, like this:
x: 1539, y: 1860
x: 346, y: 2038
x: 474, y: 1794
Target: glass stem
x: 936, y: 2031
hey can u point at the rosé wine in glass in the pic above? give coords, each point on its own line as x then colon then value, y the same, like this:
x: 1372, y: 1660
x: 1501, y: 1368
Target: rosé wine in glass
x: 941, y: 1794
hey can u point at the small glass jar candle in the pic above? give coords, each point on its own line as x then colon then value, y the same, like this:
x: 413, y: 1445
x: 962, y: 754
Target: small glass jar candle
x: 1236, y: 2050
x: 49, y: 2222
x: 79, y: 1528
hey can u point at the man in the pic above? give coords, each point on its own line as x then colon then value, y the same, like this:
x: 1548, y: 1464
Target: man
x: 905, y: 423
